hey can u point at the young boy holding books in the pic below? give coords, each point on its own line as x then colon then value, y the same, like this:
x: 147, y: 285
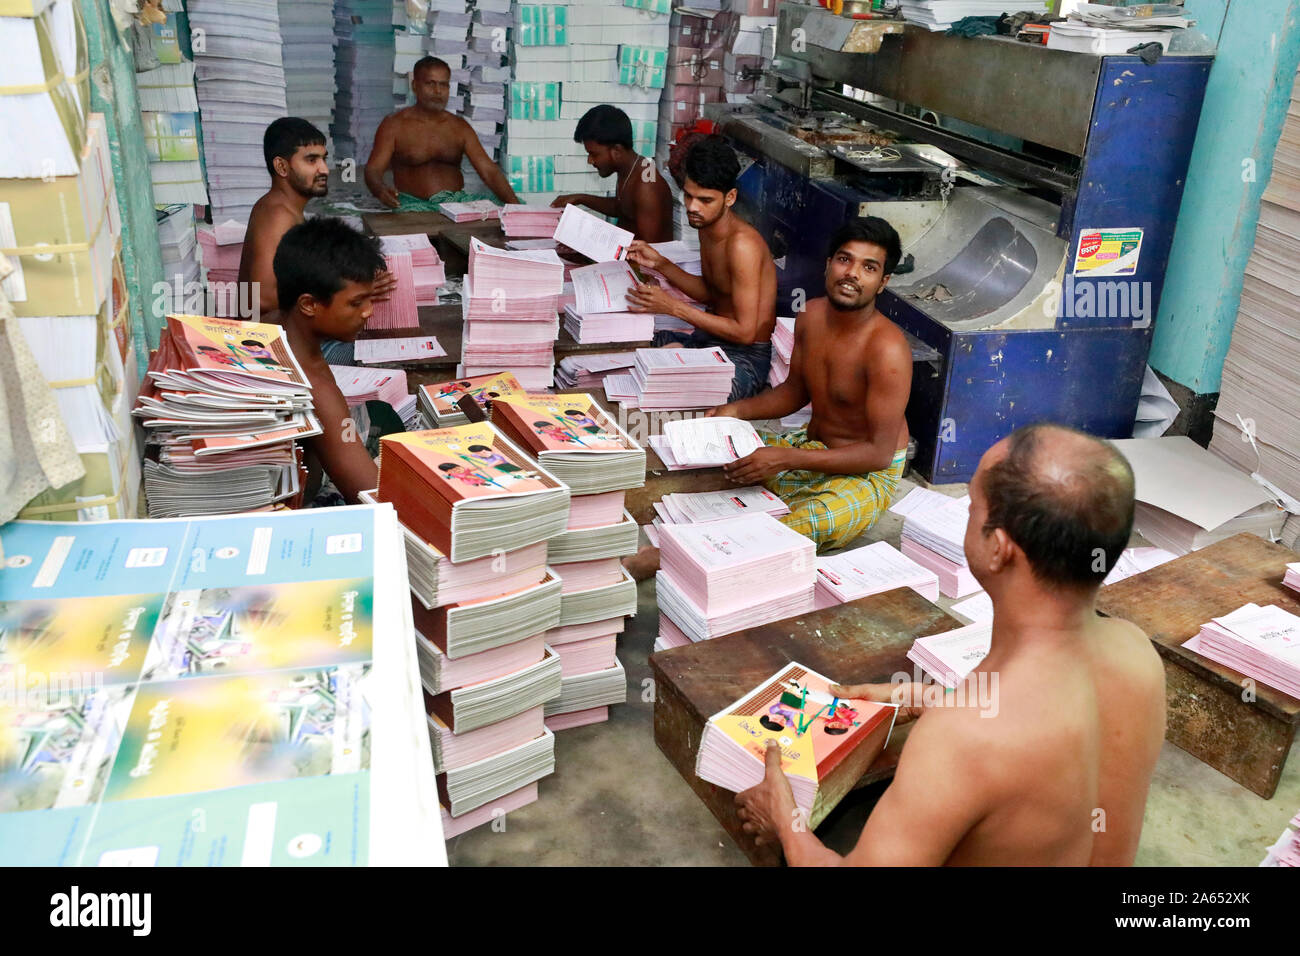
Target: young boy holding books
x: 325, y: 276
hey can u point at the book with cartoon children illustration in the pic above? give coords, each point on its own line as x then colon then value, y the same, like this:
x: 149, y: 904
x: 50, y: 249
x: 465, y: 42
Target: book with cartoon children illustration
x: 575, y: 438
x: 826, y: 742
x: 439, y: 403
x: 468, y: 490
x: 239, y: 355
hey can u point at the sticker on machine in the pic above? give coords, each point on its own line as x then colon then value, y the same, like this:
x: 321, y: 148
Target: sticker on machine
x: 1108, y: 252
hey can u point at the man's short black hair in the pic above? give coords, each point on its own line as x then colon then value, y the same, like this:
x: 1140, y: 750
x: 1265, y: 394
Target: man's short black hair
x: 428, y: 63
x: 712, y: 163
x: 284, y: 137
x: 1070, y: 512
x: 318, y: 256
x: 871, y: 229
x: 607, y: 125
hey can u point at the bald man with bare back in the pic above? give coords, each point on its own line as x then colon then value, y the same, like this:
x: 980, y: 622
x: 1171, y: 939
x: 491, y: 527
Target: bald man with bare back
x: 1054, y: 767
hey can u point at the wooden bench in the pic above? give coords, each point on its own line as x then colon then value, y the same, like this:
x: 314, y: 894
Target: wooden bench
x: 864, y: 641
x: 1241, y: 728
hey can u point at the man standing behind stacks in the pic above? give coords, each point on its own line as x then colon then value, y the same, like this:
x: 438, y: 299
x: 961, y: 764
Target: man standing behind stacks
x: 739, y: 276
x: 424, y: 145
x: 641, y: 202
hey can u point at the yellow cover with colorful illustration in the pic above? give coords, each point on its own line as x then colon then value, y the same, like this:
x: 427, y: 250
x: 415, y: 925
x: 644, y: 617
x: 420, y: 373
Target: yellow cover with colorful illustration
x: 567, y: 423
x: 463, y: 461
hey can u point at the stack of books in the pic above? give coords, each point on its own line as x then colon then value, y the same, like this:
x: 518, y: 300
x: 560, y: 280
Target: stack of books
x: 306, y: 28
x: 525, y: 221
x: 707, y: 571
x: 782, y: 349
x: 428, y: 271
x: 578, y: 442
x: 868, y: 570
x: 1261, y: 642
x: 469, y: 491
x: 934, y: 534
x: 240, y: 76
x: 587, y: 373
x: 826, y: 742
x: 361, y: 385
x: 510, y: 308
x: 1292, y: 577
x: 178, y: 242
x: 225, y: 402
x: 485, y: 61
x: 704, y: 442
x: 670, y: 379
x: 477, y: 210
x: 950, y: 656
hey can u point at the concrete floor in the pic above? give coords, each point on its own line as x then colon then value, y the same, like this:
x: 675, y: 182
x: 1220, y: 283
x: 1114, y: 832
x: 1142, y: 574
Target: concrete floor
x: 614, y: 800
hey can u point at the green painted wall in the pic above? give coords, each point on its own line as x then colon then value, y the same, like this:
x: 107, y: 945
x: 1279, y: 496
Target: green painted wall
x: 113, y: 93
x: 1245, y: 106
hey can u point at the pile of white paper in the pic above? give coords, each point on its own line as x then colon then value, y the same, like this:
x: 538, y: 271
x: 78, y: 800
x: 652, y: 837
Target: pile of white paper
x: 510, y: 306
x: 588, y: 372
x: 307, y: 33
x: 180, y: 254
x: 939, y: 15
x: 705, y: 442
x: 950, y: 656
x: 524, y: 221
x: 601, y: 327
x: 363, y: 62
x: 707, y: 571
x: 39, y: 74
x: 934, y: 534
x: 871, y: 569
x: 669, y: 379
x: 240, y: 77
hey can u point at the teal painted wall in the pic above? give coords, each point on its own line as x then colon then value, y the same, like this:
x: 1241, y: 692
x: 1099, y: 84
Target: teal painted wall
x: 113, y: 93
x: 1245, y: 107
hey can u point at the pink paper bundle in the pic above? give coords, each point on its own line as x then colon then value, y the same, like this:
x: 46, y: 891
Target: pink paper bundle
x: 516, y: 274
x: 955, y: 580
x: 361, y: 385
x: 668, y: 379
x: 670, y: 635
x: 455, y: 826
x: 508, y: 357
x: 491, y: 576
x: 522, y: 221
x: 429, y: 272
x: 218, y: 255
x: 609, y: 326
x: 489, y: 664
x: 487, y: 332
x: 399, y: 310
x: 578, y: 718
x: 950, y: 656
x: 1261, y: 642
x: 581, y: 632
x: 1292, y: 577
x: 585, y: 575
x: 584, y: 657
x: 498, y: 306
x: 456, y: 750
x: 595, y: 511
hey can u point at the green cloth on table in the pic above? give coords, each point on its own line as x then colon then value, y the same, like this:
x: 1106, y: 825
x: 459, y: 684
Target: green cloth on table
x: 409, y: 203
x: 974, y: 27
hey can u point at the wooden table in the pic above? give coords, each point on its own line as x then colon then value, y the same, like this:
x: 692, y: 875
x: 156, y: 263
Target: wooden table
x: 432, y: 224
x: 864, y: 641
x: 1211, y: 713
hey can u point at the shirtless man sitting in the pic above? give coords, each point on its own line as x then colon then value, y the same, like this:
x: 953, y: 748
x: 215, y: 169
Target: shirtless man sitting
x: 1056, y: 772
x: 424, y: 145
x: 641, y: 201
x: 295, y: 156
x: 739, y: 276
x: 325, y: 272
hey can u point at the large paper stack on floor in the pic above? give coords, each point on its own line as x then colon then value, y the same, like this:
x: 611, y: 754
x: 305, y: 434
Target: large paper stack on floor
x: 307, y: 34
x: 705, y: 584
x: 259, y: 667
x: 577, y: 441
x: 483, y: 598
x: 1188, y: 498
x: 509, y: 305
x: 224, y: 402
x: 73, y: 310
x: 1261, y: 373
x: 1263, y: 643
x: 222, y: 248
x: 240, y: 78
x: 363, y: 63
x: 934, y: 534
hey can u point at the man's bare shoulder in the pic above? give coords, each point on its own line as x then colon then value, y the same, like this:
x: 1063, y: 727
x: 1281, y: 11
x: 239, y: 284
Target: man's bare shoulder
x: 1124, y: 649
x: 271, y: 215
x: 746, y: 244
x: 886, y: 345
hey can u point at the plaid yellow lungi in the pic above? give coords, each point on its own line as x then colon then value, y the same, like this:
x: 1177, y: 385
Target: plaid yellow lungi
x: 832, y: 509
